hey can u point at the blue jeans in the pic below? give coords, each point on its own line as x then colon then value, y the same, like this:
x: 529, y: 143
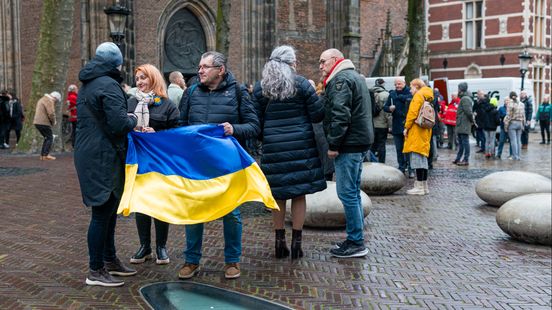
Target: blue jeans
x: 402, y: 158
x: 501, y: 141
x: 348, y: 168
x: 480, y: 138
x: 101, y: 233
x: 232, y: 239
x: 514, y: 132
x: 463, y: 147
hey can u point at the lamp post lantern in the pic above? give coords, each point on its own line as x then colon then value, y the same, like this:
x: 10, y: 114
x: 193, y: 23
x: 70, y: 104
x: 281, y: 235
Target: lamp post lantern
x: 524, y: 59
x: 117, y: 16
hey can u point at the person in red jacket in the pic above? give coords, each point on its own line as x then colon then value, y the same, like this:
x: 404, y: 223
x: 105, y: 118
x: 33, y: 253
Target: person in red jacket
x: 449, y: 119
x: 72, y: 92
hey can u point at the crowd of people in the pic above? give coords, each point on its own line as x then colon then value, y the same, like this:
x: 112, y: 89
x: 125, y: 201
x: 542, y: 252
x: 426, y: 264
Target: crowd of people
x: 284, y: 111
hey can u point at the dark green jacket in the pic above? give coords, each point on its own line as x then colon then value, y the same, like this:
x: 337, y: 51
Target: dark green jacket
x: 464, y: 115
x: 348, y: 119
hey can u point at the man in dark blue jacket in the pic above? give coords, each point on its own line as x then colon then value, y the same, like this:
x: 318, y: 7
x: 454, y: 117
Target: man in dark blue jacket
x: 218, y: 99
x: 397, y: 105
x: 100, y: 148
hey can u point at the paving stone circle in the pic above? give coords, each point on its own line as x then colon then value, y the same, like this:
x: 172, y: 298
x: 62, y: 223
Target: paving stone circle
x: 324, y: 209
x: 499, y: 187
x: 527, y: 218
x: 379, y: 179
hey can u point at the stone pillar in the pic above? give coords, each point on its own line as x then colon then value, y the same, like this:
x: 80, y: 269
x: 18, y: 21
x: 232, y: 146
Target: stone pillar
x: 258, y: 37
x: 351, y: 35
x: 10, y: 59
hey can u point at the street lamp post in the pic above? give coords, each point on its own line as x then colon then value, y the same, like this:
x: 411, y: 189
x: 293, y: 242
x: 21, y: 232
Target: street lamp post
x: 524, y: 59
x: 117, y: 17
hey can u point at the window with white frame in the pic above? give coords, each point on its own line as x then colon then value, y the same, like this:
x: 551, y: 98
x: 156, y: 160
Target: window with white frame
x: 539, y: 23
x: 473, y: 24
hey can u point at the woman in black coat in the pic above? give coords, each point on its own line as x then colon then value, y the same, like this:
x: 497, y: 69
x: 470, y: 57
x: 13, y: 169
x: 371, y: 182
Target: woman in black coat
x: 155, y: 112
x: 287, y: 106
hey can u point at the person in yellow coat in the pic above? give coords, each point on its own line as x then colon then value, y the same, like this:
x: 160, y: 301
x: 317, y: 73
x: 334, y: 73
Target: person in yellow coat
x: 417, y: 140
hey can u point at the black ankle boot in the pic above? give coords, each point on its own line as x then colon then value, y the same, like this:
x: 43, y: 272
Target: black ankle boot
x: 280, y: 244
x: 296, y: 239
x: 143, y: 254
x: 162, y: 255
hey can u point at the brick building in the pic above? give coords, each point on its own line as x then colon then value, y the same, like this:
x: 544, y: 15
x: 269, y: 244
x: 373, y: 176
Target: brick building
x: 483, y: 38
x: 171, y: 34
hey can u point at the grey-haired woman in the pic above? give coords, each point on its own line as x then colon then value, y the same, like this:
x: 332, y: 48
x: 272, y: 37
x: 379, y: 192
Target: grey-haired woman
x: 287, y: 106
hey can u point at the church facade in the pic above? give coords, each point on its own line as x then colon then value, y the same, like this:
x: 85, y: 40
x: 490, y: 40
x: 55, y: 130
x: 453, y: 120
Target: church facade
x: 172, y: 34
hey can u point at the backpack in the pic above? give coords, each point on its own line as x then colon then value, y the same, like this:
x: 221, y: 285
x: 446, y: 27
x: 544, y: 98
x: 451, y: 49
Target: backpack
x: 426, y: 116
x: 376, y: 109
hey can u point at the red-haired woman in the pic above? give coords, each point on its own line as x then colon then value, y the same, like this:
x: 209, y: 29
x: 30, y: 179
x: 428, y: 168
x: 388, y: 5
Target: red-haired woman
x: 155, y: 112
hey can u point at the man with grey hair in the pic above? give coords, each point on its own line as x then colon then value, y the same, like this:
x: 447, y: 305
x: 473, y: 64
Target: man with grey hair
x: 218, y: 99
x: 350, y: 132
x: 176, y: 87
x: 528, y: 104
x: 100, y: 149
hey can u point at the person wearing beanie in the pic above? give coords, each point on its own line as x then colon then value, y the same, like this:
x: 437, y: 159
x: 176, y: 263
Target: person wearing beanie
x: 464, y: 121
x: 100, y: 147
x: 44, y: 120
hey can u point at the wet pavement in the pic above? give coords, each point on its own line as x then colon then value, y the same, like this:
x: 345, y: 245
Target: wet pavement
x: 441, y: 251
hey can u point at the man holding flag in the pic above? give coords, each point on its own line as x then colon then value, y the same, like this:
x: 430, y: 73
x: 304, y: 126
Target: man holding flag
x: 218, y: 99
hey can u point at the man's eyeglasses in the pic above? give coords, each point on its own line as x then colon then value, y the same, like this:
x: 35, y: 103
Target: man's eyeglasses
x: 205, y: 67
x: 323, y: 61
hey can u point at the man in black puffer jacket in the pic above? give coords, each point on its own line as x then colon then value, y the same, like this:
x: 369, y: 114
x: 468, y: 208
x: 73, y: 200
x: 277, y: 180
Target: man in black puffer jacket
x: 218, y: 99
x: 350, y: 132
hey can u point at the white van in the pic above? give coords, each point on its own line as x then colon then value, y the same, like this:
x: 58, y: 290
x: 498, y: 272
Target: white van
x: 494, y: 87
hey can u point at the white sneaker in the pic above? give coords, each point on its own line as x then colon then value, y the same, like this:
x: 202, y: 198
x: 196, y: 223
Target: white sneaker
x: 7, y: 146
x: 418, y: 189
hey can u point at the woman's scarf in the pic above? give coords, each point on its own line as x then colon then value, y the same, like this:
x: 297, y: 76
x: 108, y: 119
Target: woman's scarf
x: 142, y: 110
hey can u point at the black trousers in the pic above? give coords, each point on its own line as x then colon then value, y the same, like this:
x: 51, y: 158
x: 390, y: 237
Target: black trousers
x: 46, y: 132
x: 545, y: 126
x: 101, y: 233
x: 378, y: 147
x: 143, y: 224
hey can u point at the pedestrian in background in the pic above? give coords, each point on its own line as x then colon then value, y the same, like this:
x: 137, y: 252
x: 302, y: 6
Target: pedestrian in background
x: 397, y: 104
x: 44, y: 121
x: 464, y: 121
x: 16, y: 118
x: 417, y: 139
x: 100, y: 150
x: 528, y: 109
x: 151, y: 99
x: 72, y: 94
x: 514, y: 122
x: 544, y: 116
x: 449, y: 119
x: 490, y: 122
x: 176, y: 87
x: 287, y: 106
x: 381, y: 120
x: 503, y: 136
x: 350, y: 131
x: 479, y: 117
x: 4, y: 117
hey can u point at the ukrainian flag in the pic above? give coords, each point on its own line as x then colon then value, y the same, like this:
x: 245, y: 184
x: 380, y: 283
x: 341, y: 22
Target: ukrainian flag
x: 190, y: 175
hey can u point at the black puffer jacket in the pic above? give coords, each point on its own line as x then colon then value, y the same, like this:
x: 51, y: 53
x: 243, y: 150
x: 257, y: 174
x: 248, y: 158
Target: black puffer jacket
x: 290, y: 158
x: 101, y: 137
x: 161, y: 116
x: 491, y: 118
x: 200, y: 105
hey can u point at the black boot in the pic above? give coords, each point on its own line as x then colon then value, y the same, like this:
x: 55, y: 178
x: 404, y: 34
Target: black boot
x: 280, y: 245
x: 143, y: 254
x: 296, y: 250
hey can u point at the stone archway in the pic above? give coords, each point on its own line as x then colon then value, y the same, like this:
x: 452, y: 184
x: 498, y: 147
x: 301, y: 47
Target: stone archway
x: 186, y: 33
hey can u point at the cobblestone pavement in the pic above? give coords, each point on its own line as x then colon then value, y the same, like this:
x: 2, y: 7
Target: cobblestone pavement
x: 441, y: 251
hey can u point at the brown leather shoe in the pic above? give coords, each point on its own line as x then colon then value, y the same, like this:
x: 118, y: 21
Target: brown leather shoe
x: 232, y: 271
x: 188, y: 271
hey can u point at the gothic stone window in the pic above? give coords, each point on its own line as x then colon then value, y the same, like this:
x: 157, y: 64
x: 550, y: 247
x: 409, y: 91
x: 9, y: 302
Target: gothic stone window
x: 473, y: 24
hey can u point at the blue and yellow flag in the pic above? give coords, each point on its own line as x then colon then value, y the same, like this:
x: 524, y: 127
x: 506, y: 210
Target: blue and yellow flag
x: 190, y: 175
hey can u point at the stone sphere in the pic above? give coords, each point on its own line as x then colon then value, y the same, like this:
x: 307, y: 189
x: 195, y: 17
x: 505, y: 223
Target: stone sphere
x: 527, y: 218
x: 379, y: 179
x: 324, y: 209
x: 499, y: 187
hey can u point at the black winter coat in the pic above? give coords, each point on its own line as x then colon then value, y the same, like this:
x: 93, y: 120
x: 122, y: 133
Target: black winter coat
x: 162, y: 116
x: 205, y: 106
x: 401, y: 100
x: 491, y: 119
x: 290, y: 158
x: 101, y: 136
